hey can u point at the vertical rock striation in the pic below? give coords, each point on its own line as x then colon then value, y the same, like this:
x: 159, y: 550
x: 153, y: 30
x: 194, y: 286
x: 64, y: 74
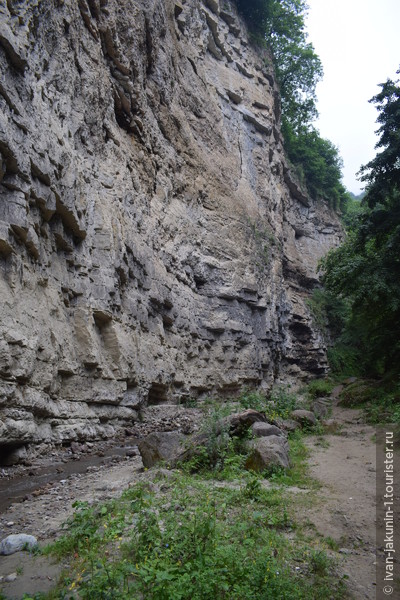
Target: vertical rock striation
x: 153, y: 242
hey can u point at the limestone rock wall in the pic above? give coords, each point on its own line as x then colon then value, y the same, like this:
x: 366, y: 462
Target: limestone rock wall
x: 154, y: 245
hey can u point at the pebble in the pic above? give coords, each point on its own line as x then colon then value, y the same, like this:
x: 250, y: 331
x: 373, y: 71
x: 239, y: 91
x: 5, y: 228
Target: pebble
x: 10, y: 524
x: 10, y: 577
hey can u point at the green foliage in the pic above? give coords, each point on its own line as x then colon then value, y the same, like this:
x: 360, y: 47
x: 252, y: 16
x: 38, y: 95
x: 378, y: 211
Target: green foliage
x: 352, y: 210
x: 317, y: 163
x: 320, y: 388
x: 320, y: 562
x: 298, y: 69
x: 217, y: 443
x: 221, y: 455
x: 332, y: 543
x: 380, y: 400
x: 255, y: 400
x: 365, y: 269
x: 344, y: 357
x: 253, y: 489
x: 382, y: 174
x: 195, y: 541
x: 279, y: 403
x: 330, y: 313
x: 284, y: 402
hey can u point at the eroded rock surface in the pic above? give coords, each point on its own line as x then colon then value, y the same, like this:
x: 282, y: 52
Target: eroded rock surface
x: 154, y: 245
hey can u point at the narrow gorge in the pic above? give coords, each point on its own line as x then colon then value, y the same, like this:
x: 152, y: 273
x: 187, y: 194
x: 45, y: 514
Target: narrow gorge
x: 155, y: 246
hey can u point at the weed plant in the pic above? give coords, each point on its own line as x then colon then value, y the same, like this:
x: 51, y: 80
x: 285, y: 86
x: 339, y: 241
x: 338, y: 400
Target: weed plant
x: 195, y: 541
x: 185, y: 536
x: 279, y: 403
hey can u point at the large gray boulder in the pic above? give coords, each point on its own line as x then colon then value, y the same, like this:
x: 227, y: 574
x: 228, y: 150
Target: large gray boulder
x: 288, y: 425
x: 266, y: 452
x: 321, y: 407
x: 161, y: 446
x: 239, y: 423
x: 16, y: 542
x: 265, y: 430
x: 306, y: 418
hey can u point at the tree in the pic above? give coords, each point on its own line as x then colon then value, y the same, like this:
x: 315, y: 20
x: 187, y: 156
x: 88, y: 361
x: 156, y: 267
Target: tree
x: 382, y: 174
x: 281, y: 25
x: 366, y: 268
x: 317, y: 161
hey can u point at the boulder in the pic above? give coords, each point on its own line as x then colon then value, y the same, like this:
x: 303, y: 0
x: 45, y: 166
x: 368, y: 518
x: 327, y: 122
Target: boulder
x: 160, y: 446
x: 239, y: 423
x: 286, y: 424
x: 321, y: 407
x: 16, y: 542
x: 236, y: 425
x: 306, y: 418
x: 265, y: 429
x: 268, y: 452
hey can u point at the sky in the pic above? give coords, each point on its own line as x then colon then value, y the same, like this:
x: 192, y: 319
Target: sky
x: 358, y: 42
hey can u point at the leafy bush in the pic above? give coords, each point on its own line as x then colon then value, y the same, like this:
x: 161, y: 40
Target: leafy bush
x: 379, y: 399
x: 279, y: 403
x: 195, y: 542
x: 254, y: 400
x: 320, y: 388
x: 284, y: 402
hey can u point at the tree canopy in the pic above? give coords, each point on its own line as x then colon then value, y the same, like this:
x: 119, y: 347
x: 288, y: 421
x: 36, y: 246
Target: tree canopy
x: 281, y: 25
x: 365, y: 270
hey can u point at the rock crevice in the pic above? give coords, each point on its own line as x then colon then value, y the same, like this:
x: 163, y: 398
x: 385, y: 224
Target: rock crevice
x: 153, y: 244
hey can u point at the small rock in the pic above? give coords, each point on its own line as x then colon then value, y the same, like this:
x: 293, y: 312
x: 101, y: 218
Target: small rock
x: 239, y: 423
x: 76, y: 448
x: 132, y: 452
x: 17, y: 542
x: 10, y: 524
x: 10, y: 577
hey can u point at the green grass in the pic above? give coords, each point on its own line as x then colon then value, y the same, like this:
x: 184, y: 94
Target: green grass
x: 197, y: 542
x: 332, y: 544
x: 297, y: 474
x: 319, y: 388
x: 380, y: 400
x: 188, y: 536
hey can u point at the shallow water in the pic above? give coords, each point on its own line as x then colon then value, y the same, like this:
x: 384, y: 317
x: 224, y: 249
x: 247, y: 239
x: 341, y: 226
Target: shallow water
x: 15, y: 489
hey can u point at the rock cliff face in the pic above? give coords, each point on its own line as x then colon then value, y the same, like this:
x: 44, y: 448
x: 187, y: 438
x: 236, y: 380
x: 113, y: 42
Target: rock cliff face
x: 153, y: 243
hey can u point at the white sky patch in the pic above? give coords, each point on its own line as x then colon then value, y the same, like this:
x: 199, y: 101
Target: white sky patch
x: 358, y: 42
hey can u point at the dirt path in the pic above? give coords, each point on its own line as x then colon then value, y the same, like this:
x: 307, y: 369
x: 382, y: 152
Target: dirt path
x: 345, y: 464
